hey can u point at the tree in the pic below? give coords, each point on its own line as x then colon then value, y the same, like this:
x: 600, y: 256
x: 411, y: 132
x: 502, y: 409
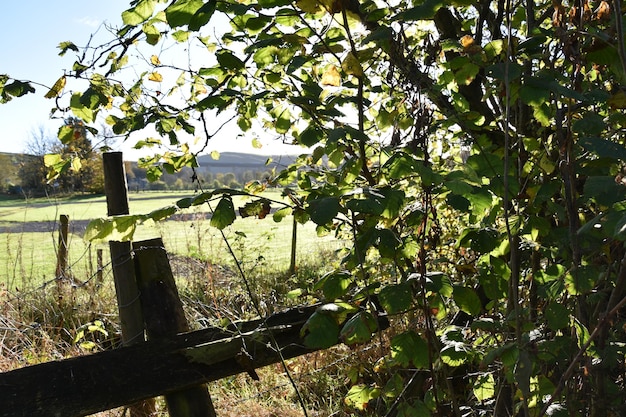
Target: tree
x: 472, y: 152
x: 32, y: 170
x: 86, y: 173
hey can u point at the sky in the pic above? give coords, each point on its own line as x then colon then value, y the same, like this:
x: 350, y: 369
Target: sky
x: 30, y: 31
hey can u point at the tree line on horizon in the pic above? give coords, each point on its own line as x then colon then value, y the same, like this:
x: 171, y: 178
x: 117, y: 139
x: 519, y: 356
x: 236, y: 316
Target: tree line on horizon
x: 29, y: 172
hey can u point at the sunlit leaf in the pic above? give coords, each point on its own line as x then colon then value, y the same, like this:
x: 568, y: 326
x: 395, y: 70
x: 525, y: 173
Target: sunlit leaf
x: 80, y: 110
x: 280, y: 214
x: 155, y: 76
x: 335, y: 284
x: 259, y: 208
x: 224, y: 214
x: 331, y: 76
x: 408, y: 349
x: 467, y: 300
x: 352, y: 66
x: 181, y: 12
x: 485, y: 387
x: 162, y: 213
x: 57, y: 88
x: 138, y: 14
x: 67, y: 46
x: 360, y: 395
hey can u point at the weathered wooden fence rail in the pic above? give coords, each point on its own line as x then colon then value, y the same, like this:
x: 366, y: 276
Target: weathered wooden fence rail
x: 88, y: 384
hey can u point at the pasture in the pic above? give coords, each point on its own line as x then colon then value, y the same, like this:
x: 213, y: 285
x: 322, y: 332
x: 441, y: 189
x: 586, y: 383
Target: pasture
x: 43, y: 320
x: 29, y: 236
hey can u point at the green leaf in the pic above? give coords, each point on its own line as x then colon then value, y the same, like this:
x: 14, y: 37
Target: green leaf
x: 259, y: 208
x: 360, y: 395
x: 80, y: 110
x: 467, y: 300
x: 67, y: 46
x: 409, y: 348
x: 228, y: 60
x: 280, y: 214
x: 57, y: 88
x: 603, y: 190
x: 320, y: 331
x: 270, y: 4
x: 453, y: 356
x: 324, y: 210
x: 590, y: 124
x: 335, y: 284
x: 557, y: 316
x: 18, y: 89
x: 438, y: 283
x: 118, y: 228
x: 425, y: 11
x: 138, y: 14
x: 310, y: 136
x: 484, y: 387
x: 162, y: 213
x: 283, y: 122
x: 604, y: 148
x: 181, y: 12
x: 396, y: 298
x: 224, y: 214
x: 359, y: 328
x: 202, y: 16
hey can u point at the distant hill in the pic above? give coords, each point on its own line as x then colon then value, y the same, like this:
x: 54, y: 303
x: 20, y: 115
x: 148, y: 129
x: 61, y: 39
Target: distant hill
x: 228, y: 162
x: 236, y: 162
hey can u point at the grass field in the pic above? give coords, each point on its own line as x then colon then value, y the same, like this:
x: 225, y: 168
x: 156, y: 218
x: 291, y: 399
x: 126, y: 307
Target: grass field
x: 31, y: 234
x: 41, y: 320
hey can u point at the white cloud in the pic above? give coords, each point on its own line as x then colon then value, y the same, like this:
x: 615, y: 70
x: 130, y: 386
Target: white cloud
x: 89, y: 21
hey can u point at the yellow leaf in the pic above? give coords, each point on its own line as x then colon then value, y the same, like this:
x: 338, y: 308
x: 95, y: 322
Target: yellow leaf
x: 352, y: 66
x: 155, y: 60
x: 215, y: 155
x: 467, y: 41
x: 331, y: 76
x: 76, y: 164
x: 155, y: 76
x: 57, y: 88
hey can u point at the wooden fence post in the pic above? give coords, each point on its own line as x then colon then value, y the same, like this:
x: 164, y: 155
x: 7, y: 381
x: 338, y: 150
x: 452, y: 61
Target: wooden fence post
x: 61, y: 269
x: 100, y: 265
x: 128, y: 304
x: 164, y: 317
x: 294, y: 240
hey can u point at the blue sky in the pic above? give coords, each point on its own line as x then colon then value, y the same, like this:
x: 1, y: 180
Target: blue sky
x: 30, y: 31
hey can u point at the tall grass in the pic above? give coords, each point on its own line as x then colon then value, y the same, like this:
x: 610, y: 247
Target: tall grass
x: 42, y: 319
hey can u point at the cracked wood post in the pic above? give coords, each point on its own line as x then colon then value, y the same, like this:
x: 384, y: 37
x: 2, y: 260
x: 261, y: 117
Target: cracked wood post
x: 164, y: 317
x: 129, y: 307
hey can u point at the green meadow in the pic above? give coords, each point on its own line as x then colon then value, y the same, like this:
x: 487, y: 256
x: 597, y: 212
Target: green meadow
x: 29, y: 237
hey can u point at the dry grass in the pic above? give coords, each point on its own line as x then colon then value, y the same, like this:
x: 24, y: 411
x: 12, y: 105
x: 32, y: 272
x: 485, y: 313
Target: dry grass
x: 41, y: 326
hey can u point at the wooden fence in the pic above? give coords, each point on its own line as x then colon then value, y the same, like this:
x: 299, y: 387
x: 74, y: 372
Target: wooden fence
x: 172, y: 362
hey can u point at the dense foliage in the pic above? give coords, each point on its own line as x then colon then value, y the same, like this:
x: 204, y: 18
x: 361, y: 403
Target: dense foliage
x: 471, y: 151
